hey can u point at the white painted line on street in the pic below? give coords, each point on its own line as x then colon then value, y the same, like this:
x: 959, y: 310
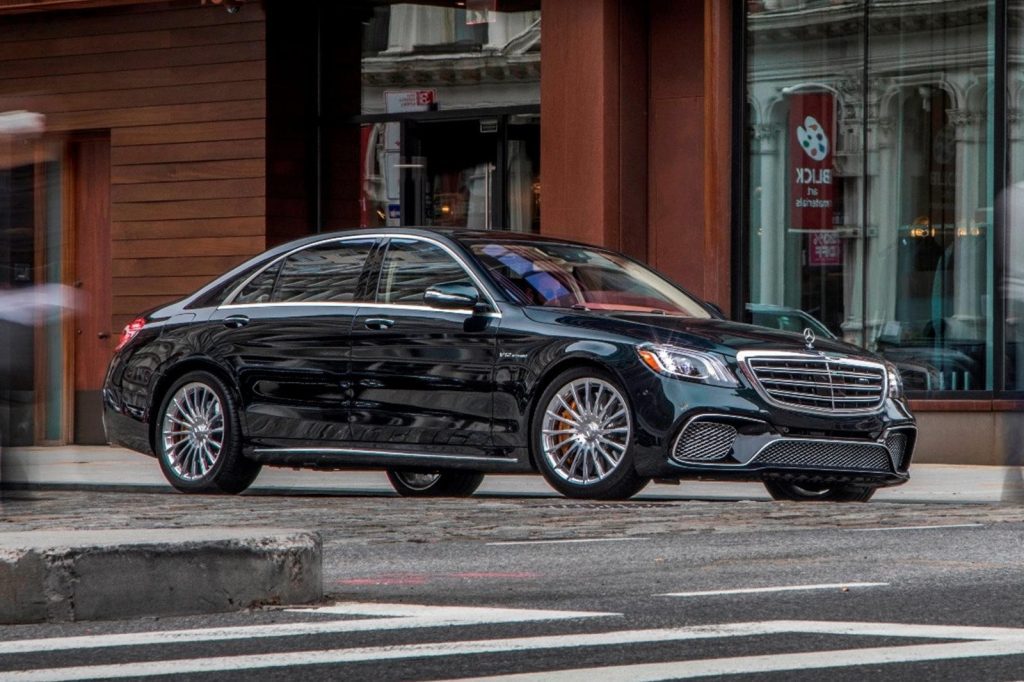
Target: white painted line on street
x: 382, y: 653
x: 993, y: 642
x: 562, y: 542
x: 952, y: 525
x: 813, y: 660
x: 390, y: 617
x: 763, y: 590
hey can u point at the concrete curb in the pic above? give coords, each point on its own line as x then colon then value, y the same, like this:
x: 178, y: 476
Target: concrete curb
x: 60, y: 576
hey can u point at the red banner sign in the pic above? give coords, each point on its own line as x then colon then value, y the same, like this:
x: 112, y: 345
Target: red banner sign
x: 811, y: 145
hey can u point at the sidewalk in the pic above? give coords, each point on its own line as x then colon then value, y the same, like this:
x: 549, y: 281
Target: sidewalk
x: 106, y: 468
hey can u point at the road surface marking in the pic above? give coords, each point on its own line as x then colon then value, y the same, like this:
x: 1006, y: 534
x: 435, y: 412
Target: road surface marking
x: 762, y: 590
x: 986, y: 642
x: 952, y: 525
x: 382, y: 653
x: 561, y: 542
x: 815, y: 660
x: 386, y: 617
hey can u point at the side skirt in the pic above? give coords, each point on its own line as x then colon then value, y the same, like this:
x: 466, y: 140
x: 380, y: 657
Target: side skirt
x: 354, y: 458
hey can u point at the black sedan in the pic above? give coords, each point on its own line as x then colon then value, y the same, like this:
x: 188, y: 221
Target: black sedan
x: 441, y: 356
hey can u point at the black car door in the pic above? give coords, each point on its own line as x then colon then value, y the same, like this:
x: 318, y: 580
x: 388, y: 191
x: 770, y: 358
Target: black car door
x: 286, y: 338
x: 422, y: 376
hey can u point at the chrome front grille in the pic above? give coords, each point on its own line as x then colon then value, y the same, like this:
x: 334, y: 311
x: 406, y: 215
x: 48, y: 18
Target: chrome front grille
x: 813, y: 381
x: 815, y: 454
x: 704, y: 441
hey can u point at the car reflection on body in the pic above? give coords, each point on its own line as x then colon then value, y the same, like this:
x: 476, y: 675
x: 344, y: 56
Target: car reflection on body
x: 442, y: 356
x: 923, y: 365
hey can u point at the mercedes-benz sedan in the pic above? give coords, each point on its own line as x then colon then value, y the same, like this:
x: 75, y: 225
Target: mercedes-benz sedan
x: 442, y: 356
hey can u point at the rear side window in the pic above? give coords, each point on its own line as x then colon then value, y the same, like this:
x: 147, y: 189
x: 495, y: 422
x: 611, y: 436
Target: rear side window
x: 259, y: 289
x: 331, y: 273
x: 411, y: 267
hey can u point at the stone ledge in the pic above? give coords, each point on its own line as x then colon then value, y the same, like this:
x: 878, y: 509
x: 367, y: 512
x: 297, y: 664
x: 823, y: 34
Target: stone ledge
x: 59, y: 576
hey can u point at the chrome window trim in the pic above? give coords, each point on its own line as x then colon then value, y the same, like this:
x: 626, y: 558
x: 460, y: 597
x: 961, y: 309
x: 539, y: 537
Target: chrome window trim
x: 495, y: 310
x: 744, y: 355
x: 343, y: 304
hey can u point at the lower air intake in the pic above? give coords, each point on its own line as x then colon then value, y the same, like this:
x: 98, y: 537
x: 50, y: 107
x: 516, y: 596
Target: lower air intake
x: 704, y: 442
x: 812, y: 454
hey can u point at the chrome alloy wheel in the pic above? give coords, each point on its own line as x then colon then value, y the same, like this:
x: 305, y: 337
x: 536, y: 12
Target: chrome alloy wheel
x: 418, y: 481
x: 585, y: 431
x: 193, y: 431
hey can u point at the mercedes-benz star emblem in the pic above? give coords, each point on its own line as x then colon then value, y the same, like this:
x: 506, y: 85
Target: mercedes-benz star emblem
x: 809, y: 338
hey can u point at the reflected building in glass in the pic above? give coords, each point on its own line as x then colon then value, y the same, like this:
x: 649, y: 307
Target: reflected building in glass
x: 900, y: 259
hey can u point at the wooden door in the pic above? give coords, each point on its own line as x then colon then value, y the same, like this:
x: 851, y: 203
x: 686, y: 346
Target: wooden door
x: 93, y: 339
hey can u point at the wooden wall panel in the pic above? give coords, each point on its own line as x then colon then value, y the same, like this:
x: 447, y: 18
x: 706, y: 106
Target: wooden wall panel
x: 181, y: 89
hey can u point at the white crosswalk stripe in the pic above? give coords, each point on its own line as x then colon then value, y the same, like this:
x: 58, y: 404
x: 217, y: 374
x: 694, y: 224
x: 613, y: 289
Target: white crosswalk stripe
x: 961, y: 642
x: 386, y: 617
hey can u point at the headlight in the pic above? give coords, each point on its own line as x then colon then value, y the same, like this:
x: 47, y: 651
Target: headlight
x: 686, y: 364
x: 895, y: 381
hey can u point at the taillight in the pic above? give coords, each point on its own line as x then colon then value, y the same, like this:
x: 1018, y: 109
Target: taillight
x: 129, y: 331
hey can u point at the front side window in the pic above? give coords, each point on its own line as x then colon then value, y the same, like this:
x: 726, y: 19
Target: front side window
x: 330, y: 273
x: 411, y: 267
x: 570, y: 276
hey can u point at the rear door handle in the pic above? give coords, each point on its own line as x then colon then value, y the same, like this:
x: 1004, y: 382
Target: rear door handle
x: 378, y: 323
x: 236, y: 321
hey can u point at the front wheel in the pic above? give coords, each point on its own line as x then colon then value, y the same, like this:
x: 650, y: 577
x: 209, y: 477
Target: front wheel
x: 198, y: 439
x: 444, y: 483
x: 804, y: 492
x: 583, y: 437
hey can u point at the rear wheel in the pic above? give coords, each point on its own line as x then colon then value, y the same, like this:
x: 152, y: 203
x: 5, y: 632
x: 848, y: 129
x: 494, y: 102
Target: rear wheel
x: 583, y: 437
x: 804, y: 492
x: 438, y: 483
x: 198, y: 439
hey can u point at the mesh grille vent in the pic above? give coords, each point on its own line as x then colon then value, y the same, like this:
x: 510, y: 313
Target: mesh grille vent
x: 704, y: 442
x: 896, y: 443
x: 826, y: 455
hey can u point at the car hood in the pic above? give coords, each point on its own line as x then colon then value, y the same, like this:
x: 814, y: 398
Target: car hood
x: 714, y: 335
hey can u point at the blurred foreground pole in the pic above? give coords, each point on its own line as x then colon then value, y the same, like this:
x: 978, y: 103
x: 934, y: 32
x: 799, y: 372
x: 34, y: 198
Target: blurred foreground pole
x: 14, y: 125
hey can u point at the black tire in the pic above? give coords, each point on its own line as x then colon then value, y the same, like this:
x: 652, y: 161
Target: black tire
x: 185, y: 453
x: 620, y: 481
x: 444, y: 483
x: 809, y: 492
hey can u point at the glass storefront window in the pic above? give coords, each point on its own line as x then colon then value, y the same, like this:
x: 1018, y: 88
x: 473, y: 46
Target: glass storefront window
x: 1013, y: 201
x: 450, y: 105
x: 869, y: 159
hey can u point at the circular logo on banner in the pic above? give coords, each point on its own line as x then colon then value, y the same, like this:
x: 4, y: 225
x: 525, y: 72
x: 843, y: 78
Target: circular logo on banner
x: 812, y: 139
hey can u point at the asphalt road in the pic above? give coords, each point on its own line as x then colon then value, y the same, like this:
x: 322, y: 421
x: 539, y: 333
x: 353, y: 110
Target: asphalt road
x: 502, y: 585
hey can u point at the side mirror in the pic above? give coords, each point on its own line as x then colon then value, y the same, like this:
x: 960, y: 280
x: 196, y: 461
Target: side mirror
x: 452, y: 295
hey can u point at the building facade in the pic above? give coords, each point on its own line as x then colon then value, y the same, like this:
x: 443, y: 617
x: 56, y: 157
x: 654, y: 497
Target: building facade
x: 847, y: 165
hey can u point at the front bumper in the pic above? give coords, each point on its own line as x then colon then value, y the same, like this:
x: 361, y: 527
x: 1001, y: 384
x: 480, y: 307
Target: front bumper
x: 690, y: 430
x: 724, y: 446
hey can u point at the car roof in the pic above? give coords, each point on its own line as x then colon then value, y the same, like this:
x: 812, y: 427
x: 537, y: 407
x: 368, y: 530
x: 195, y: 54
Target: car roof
x: 458, y: 234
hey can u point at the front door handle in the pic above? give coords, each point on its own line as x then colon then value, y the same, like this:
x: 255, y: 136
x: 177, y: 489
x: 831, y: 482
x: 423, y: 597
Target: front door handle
x: 378, y: 323
x: 236, y: 321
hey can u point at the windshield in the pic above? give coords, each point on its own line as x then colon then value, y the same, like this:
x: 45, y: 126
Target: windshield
x: 570, y: 276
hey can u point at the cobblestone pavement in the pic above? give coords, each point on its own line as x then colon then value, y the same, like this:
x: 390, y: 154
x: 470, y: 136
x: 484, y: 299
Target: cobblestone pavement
x: 354, y: 519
